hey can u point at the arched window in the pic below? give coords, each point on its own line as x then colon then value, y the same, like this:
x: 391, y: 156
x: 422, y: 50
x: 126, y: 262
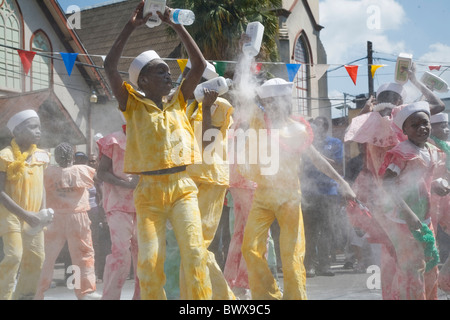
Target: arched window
x: 301, y: 81
x: 42, y: 64
x: 10, y: 35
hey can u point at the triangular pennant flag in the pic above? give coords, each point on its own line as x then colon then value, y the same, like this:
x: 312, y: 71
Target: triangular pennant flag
x: 69, y: 60
x: 182, y: 63
x: 256, y: 67
x: 352, y: 72
x: 221, y: 67
x: 320, y: 70
x: 374, y: 68
x: 292, y: 70
x: 437, y: 68
x: 27, y: 58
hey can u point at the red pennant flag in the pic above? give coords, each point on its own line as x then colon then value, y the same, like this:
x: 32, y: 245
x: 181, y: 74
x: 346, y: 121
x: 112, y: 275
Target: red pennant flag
x: 438, y: 68
x: 27, y: 58
x: 256, y: 68
x: 352, y: 72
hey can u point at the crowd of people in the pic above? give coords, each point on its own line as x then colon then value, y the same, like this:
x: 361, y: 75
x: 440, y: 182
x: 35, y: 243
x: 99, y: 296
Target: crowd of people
x: 162, y: 190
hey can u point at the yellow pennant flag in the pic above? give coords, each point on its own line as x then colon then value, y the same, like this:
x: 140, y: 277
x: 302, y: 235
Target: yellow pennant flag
x: 375, y: 67
x: 182, y: 63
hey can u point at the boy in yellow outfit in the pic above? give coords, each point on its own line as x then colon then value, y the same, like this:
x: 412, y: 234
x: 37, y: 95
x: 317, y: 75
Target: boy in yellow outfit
x: 212, y: 175
x: 22, y: 195
x: 278, y: 195
x: 160, y: 145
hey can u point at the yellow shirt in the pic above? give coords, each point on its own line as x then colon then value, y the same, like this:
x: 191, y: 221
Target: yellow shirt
x: 287, y: 150
x: 158, y: 139
x: 214, y: 168
x: 28, y: 190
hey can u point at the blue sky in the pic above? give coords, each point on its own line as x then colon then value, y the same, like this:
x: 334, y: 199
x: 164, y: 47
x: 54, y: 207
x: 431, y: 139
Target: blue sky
x: 419, y: 27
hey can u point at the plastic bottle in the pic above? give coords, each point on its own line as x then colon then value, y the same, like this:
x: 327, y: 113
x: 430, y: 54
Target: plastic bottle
x: 255, y: 31
x: 153, y: 6
x: 219, y: 84
x: 404, y: 62
x: 434, y: 83
x: 46, y: 216
x: 182, y: 16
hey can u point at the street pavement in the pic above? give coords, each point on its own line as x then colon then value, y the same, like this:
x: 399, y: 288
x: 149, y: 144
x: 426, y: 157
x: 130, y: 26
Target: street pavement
x: 345, y: 285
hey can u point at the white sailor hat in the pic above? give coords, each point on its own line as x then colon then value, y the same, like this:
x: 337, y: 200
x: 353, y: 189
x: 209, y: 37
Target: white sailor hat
x: 393, y: 86
x: 404, y: 113
x: 276, y: 87
x: 139, y: 63
x: 440, y: 117
x: 20, y: 117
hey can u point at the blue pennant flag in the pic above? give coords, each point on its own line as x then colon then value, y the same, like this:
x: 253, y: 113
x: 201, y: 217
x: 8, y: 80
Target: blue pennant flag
x: 69, y: 60
x: 292, y: 70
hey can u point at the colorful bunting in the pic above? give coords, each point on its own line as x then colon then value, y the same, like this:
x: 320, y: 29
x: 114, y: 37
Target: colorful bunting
x: 292, y: 70
x: 352, y: 72
x: 320, y: 70
x: 182, y: 63
x: 437, y: 68
x: 221, y: 67
x: 256, y: 68
x: 375, y: 67
x: 69, y: 61
x: 27, y: 58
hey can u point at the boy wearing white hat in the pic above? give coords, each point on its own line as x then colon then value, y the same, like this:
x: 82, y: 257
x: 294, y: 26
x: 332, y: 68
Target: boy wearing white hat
x: 160, y: 145
x: 407, y: 180
x: 278, y: 195
x: 22, y: 195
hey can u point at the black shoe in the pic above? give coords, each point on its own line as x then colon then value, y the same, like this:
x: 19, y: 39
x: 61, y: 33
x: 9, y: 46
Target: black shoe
x: 310, y: 273
x: 325, y: 272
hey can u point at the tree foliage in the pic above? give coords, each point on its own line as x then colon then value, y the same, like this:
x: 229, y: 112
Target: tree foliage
x: 220, y: 24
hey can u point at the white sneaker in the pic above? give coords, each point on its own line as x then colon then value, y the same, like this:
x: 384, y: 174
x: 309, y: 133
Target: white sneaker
x: 92, y: 296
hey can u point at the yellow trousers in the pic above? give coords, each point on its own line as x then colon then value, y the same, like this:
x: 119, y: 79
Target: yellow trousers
x: 285, y: 206
x: 210, y: 201
x: 24, y: 251
x: 172, y: 198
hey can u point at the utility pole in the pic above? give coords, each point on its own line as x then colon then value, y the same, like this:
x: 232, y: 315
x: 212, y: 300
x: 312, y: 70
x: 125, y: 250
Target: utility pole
x: 369, y: 67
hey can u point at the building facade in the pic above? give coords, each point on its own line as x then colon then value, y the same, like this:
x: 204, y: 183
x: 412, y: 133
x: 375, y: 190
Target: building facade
x: 61, y: 99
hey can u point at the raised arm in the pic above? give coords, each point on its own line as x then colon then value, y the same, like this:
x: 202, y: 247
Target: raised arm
x: 112, y: 59
x: 436, y: 104
x: 195, y: 55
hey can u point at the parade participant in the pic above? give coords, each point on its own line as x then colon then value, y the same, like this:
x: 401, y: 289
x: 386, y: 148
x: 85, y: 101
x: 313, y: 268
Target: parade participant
x: 375, y: 129
x: 118, y: 204
x: 278, y: 195
x: 212, y: 118
x: 160, y: 145
x: 407, y: 180
x: 67, y: 187
x: 22, y: 195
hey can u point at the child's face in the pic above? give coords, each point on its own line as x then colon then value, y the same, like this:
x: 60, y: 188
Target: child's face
x: 28, y: 132
x: 440, y: 130
x: 418, y: 128
x: 156, y: 78
x: 276, y: 107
